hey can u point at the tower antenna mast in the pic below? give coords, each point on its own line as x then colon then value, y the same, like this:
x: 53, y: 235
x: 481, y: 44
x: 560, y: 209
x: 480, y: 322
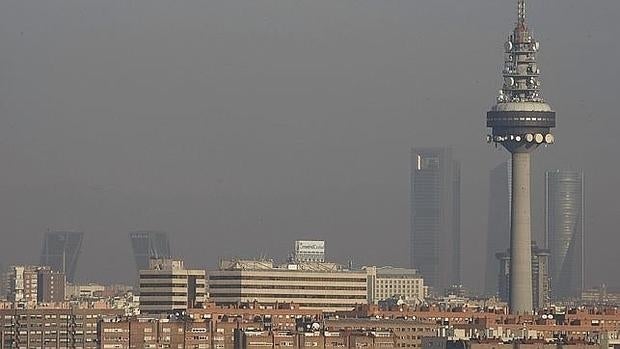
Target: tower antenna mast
x: 521, y: 14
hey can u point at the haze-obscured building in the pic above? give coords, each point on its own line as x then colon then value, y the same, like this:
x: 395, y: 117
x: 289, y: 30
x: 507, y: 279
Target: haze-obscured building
x: 436, y: 216
x: 61, y: 250
x: 147, y: 245
x: 565, y: 231
x: 325, y: 286
x: 167, y: 287
x: 498, y: 226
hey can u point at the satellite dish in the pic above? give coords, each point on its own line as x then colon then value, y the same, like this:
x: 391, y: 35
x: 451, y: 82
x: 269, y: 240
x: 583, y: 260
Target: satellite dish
x: 509, y: 81
x: 536, y: 46
x: 508, y: 46
x: 529, y: 137
x: 549, y: 139
x: 539, y: 138
x: 316, y: 326
x: 544, y: 316
x: 518, y: 138
x: 550, y: 316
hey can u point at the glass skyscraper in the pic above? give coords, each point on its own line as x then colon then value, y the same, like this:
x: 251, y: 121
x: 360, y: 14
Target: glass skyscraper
x: 436, y: 216
x: 564, y: 233
x: 498, y: 226
x: 61, y: 250
x: 147, y: 245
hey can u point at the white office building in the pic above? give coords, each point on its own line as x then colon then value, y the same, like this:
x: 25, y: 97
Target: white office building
x: 389, y: 282
x: 325, y: 286
x: 167, y: 287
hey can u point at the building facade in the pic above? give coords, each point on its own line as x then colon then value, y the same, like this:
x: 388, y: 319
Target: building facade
x: 436, y: 216
x: 323, y: 286
x: 51, y: 286
x: 61, y: 250
x: 168, y: 287
x: 390, y: 282
x: 565, y: 231
x: 498, y: 227
x: 149, y: 244
x: 51, y: 328
x: 29, y: 285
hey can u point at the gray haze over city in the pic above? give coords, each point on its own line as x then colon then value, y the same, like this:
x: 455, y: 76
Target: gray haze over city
x: 239, y: 126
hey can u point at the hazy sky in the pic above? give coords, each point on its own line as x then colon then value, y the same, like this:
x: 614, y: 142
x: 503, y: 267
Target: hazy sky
x: 239, y: 126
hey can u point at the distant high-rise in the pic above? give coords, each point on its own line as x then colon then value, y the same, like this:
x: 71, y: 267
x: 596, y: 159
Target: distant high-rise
x: 61, y: 250
x: 436, y: 216
x: 498, y: 228
x: 564, y: 232
x: 147, y: 245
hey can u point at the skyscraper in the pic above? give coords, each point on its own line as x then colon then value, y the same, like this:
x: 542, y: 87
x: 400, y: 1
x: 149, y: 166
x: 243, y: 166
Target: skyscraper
x: 61, y: 250
x: 521, y: 120
x: 564, y: 232
x: 147, y: 245
x: 436, y: 216
x: 498, y: 228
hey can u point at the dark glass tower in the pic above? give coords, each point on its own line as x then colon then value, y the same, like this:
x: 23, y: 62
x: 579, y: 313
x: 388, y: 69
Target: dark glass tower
x: 436, y: 216
x: 147, y: 245
x: 498, y: 227
x: 565, y: 231
x: 61, y: 250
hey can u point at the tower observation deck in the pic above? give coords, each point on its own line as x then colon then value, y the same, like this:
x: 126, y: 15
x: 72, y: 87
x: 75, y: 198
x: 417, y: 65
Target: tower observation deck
x: 521, y: 121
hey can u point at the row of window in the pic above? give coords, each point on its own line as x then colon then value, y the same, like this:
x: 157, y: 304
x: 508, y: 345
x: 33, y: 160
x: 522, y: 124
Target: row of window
x: 284, y: 278
x: 286, y: 296
x: 291, y: 287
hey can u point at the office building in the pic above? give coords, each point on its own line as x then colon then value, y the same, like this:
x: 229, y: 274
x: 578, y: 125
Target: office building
x: 324, y: 286
x: 498, y: 227
x: 521, y: 121
x: 167, y: 287
x: 147, y: 245
x: 436, y: 216
x: 541, y: 283
x: 565, y: 231
x: 389, y: 282
x: 61, y: 250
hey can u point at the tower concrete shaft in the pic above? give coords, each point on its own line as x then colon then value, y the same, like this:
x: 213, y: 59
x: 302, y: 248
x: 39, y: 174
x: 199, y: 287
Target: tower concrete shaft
x: 521, y: 236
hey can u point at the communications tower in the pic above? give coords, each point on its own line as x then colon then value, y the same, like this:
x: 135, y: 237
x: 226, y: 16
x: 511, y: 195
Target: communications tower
x: 521, y: 121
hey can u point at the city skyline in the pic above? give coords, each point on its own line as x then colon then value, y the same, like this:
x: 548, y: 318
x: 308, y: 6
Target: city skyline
x: 239, y: 126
